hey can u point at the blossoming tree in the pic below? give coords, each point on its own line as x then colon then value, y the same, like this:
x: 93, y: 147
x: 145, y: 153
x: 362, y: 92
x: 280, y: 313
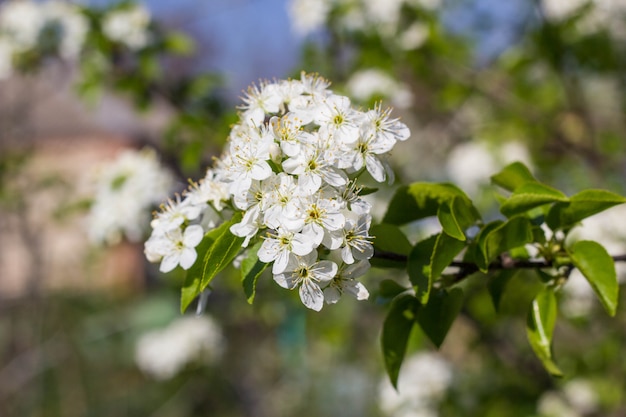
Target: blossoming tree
x: 289, y: 197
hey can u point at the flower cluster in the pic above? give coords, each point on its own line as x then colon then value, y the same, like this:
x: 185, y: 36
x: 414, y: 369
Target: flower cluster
x: 30, y: 31
x: 126, y: 190
x: 384, y: 17
x: 290, y: 167
x: 53, y: 26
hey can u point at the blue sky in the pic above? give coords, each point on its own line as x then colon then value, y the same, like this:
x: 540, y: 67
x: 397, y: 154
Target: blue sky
x: 248, y: 40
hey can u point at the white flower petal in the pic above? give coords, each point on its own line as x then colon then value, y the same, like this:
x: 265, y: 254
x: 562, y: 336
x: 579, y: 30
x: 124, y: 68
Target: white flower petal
x: 346, y: 255
x: 268, y: 250
x: 331, y: 295
x: 334, y: 177
x: 357, y: 289
x: 325, y: 270
x: 284, y: 280
x: 334, y: 221
x: 309, y: 183
x: 261, y: 170
x: 169, y: 262
x: 375, y: 168
x: 302, y: 244
x: 193, y: 236
x: 187, y: 258
x: 311, y: 295
x: 280, y: 264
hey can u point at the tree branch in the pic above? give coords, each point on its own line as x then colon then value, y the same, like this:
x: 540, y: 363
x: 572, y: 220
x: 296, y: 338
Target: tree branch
x: 468, y: 268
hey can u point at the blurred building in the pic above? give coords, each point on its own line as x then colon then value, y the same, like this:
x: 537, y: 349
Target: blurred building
x: 50, y: 143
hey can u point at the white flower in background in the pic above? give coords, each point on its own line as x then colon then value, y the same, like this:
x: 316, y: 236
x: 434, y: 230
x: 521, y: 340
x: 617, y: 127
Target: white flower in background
x: 126, y: 191
x: 128, y: 26
x: 576, y: 398
x: 369, y: 83
x: 307, y: 16
x: 164, y: 353
x: 73, y: 26
x: 603, y: 15
x: 552, y: 404
x: 423, y: 381
x: 286, y: 170
x: 414, y: 36
x: 579, y: 297
x: 606, y: 228
x: 21, y: 22
x: 558, y: 10
x: 470, y: 165
x: 581, y: 394
x: 384, y: 14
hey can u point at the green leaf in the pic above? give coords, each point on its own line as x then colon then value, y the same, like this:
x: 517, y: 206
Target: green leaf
x: 598, y: 267
x: 421, y: 199
x: 403, y: 208
x: 455, y: 216
x: 436, y: 317
x: 389, y: 289
x: 216, y: 251
x: 179, y: 43
x: 540, y: 326
x: 418, y: 267
x: 475, y: 251
x: 251, y: 269
x: 389, y: 238
x: 530, y: 195
x: 446, y: 248
x: 498, y: 284
x: 396, y: 331
x: 514, y: 233
x: 580, y: 206
x: 512, y: 176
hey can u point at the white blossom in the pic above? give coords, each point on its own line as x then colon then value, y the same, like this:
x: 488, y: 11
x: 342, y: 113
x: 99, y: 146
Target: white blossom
x: 72, y: 25
x: 286, y: 171
x: 178, y: 247
x: 423, y: 381
x: 470, y: 165
x: 281, y: 247
x: 307, y: 16
x: 163, y: 353
x: 128, y: 26
x: 126, y: 189
x: 345, y: 283
x: 307, y: 273
x: 23, y: 23
x: 371, y: 83
x: 576, y: 398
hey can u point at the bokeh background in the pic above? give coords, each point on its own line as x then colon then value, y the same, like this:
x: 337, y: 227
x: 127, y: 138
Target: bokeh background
x: 88, y: 327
